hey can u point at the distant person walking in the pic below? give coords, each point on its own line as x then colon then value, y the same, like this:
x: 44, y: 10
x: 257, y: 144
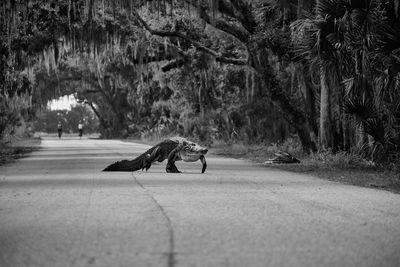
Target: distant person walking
x: 80, y: 129
x: 59, y: 130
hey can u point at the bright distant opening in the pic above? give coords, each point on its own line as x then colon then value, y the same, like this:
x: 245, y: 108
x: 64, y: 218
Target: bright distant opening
x: 64, y: 102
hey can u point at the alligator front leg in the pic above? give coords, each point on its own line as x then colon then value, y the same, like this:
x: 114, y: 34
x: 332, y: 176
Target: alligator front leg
x: 172, y: 157
x: 203, y: 160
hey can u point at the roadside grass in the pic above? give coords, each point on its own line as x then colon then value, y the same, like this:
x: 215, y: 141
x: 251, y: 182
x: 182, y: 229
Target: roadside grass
x: 17, y: 147
x: 343, y: 167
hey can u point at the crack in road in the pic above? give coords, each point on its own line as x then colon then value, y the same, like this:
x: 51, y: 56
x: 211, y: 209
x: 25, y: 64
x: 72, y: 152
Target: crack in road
x: 171, y: 250
x: 82, y: 237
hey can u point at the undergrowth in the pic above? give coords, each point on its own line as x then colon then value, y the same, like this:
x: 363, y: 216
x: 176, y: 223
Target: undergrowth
x: 16, y: 147
x: 342, y: 166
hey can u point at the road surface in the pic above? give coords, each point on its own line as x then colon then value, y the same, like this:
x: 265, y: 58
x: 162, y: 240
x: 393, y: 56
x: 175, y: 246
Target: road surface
x: 58, y: 209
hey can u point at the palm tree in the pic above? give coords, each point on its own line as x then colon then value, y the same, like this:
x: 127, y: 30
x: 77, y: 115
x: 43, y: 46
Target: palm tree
x: 317, y: 40
x: 355, y: 39
x: 372, y: 93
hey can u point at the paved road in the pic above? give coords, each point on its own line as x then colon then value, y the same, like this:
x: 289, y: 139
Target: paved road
x: 58, y: 209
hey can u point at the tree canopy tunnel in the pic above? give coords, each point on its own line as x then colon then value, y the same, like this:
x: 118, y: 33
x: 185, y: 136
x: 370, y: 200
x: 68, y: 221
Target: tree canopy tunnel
x: 93, y: 51
x: 134, y: 77
x: 200, y: 67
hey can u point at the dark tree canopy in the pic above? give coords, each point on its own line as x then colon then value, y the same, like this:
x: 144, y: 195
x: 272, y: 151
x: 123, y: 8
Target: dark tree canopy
x: 326, y: 72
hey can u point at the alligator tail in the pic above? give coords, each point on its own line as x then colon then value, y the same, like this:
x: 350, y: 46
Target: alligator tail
x: 127, y: 165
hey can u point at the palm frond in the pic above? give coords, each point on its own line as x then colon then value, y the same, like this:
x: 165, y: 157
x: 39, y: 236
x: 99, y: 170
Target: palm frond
x: 357, y: 87
x: 389, y: 40
x: 375, y: 128
x: 361, y: 108
x: 367, y: 118
x: 330, y: 8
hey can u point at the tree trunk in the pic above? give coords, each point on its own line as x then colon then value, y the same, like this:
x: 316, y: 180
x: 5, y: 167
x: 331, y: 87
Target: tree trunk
x: 259, y: 61
x: 102, y: 121
x: 325, y: 123
x: 306, y: 137
x: 310, y: 100
x: 300, y: 4
x: 285, y: 9
x: 200, y: 95
x: 346, y: 133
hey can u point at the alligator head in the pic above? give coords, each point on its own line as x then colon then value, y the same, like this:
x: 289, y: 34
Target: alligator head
x: 191, y: 151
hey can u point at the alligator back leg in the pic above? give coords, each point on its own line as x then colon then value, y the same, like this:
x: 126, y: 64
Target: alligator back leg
x: 203, y: 160
x: 150, y: 158
x: 172, y: 157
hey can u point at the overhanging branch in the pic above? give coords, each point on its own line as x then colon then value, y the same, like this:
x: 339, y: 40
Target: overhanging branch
x: 173, y: 64
x: 218, y: 57
x: 229, y: 23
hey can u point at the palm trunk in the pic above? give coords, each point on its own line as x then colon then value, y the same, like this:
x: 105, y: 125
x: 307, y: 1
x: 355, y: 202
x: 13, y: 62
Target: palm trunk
x: 285, y: 7
x: 346, y: 133
x: 325, y: 134
x: 310, y: 100
x: 300, y: 4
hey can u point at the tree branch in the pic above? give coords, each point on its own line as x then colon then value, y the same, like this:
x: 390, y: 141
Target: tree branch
x: 228, y: 24
x: 239, y: 10
x: 196, y: 44
x: 173, y: 64
x: 101, y: 119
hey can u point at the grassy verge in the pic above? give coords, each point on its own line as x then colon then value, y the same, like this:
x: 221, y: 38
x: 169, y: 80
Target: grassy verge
x: 340, y: 167
x: 17, y: 147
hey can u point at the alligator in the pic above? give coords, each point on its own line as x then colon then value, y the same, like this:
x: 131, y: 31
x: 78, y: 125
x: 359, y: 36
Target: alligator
x: 173, y: 149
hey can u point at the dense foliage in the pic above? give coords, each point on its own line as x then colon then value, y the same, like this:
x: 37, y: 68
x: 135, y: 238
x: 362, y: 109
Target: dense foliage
x: 326, y: 71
